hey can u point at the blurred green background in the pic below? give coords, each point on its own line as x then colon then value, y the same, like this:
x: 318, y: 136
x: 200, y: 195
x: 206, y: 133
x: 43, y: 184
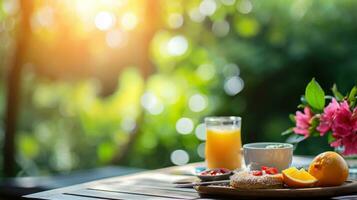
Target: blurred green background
x: 129, y: 82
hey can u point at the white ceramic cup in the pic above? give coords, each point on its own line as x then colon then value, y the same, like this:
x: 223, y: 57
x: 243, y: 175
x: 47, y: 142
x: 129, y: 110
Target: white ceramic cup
x: 257, y: 155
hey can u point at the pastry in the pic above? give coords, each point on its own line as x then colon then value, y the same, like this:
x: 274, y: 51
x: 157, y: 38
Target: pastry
x: 267, y: 178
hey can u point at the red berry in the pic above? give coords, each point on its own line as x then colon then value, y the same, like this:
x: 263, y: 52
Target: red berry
x: 264, y: 168
x: 257, y: 173
x: 271, y: 170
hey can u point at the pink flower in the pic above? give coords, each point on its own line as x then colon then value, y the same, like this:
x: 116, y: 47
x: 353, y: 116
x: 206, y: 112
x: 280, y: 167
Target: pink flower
x: 354, y: 117
x: 303, y: 122
x: 343, y: 123
x: 339, y: 119
x: 345, y: 129
x: 350, y: 144
x: 327, y: 118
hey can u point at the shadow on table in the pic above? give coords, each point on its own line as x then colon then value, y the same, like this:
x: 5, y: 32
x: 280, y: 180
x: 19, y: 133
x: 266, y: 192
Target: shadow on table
x: 14, y: 188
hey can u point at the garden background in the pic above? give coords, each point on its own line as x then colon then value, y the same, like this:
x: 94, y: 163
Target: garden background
x: 129, y: 82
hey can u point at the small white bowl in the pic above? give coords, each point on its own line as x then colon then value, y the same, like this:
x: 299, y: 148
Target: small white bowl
x: 257, y: 155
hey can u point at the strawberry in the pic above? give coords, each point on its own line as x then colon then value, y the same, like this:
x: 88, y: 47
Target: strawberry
x: 257, y: 173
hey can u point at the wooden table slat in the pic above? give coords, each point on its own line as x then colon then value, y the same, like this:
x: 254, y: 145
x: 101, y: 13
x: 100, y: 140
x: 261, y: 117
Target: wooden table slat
x: 115, y: 195
x: 72, y: 197
x: 148, y: 191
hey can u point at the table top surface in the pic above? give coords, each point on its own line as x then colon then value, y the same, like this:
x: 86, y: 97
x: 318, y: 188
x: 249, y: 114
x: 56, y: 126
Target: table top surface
x: 154, y: 184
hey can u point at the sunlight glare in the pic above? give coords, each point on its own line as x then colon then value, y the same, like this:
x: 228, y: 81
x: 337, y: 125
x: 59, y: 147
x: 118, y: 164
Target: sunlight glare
x: 115, y: 39
x: 129, y: 21
x: 11, y: 7
x: 42, y: 18
x: 177, y: 45
x: 104, y: 20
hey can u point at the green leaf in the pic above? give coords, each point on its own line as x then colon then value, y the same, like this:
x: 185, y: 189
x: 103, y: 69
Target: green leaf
x: 336, y: 93
x: 287, y: 132
x: 301, y: 106
x: 330, y: 138
x: 315, y: 96
x: 292, y: 118
x: 312, y: 129
x: 315, y: 122
x: 352, y: 96
x: 295, y: 138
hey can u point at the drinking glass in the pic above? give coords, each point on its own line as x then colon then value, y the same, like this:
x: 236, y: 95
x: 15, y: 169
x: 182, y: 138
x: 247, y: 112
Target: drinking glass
x: 223, y: 142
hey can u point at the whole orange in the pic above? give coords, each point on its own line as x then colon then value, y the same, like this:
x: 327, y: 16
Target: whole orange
x: 329, y: 168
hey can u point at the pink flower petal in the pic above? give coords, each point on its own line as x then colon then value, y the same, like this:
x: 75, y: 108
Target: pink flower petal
x: 303, y: 122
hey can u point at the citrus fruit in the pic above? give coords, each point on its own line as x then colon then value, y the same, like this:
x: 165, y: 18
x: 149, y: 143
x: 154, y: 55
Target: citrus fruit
x: 295, y: 178
x: 329, y: 168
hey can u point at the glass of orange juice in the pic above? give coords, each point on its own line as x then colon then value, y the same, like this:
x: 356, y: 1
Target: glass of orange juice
x: 223, y: 142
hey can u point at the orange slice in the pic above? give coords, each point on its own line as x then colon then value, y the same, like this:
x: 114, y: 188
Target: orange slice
x: 298, y: 178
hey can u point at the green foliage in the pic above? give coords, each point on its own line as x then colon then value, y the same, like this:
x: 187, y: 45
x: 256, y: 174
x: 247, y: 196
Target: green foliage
x: 336, y: 93
x: 315, y: 96
x: 352, y: 97
x: 312, y: 129
x: 276, y: 47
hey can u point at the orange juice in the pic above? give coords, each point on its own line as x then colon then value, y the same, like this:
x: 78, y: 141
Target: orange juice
x: 223, y: 148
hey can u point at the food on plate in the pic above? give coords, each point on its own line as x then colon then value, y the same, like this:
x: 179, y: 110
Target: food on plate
x: 277, y: 146
x: 295, y: 178
x: 329, y: 168
x: 266, y: 178
x: 215, y: 172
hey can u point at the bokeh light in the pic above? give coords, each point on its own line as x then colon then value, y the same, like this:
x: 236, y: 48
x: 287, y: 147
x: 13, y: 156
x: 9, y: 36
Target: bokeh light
x: 116, y: 38
x: 177, y: 45
x: 230, y: 70
x: 42, y: 18
x: 196, y: 15
x: 151, y: 103
x: 200, y: 131
x: 245, y: 6
x: 184, y: 125
x: 206, y: 71
x: 201, y: 150
x: 179, y: 157
x: 104, y: 20
x: 10, y: 7
x: 175, y: 20
x: 233, y: 85
x: 220, y: 28
x: 129, y: 21
x: 197, y: 103
x: 228, y: 2
x: 128, y: 124
x: 208, y: 7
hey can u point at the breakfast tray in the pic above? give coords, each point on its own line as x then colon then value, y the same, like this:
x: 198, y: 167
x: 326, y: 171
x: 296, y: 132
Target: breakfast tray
x: 349, y: 187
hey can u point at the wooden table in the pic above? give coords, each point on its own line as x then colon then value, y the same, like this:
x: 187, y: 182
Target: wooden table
x: 155, y: 184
